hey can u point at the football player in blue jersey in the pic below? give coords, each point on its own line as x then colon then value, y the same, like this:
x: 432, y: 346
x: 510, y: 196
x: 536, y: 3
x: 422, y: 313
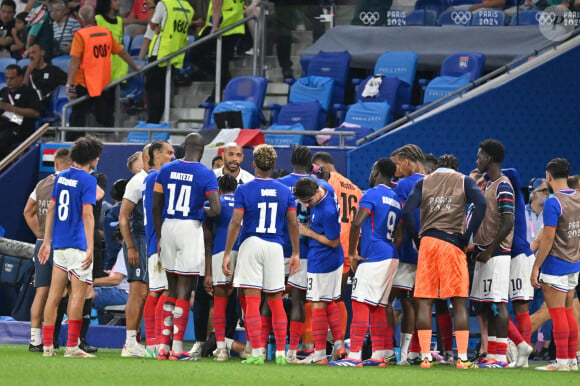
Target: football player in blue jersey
x: 69, y: 232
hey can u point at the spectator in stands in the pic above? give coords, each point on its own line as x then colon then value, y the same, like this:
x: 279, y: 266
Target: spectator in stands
x: 19, y: 108
x: 135, y: 162
x: 168, y: 38
x: 40, y: 29
x: 7, y: 12
x: 111, y: 225
x: 35, y: 217
x: 43, y: 77
x: 90, y: 75
x: 63, y: 27
x: 136, y: 20
x: 111, y: 290
x: 217, y: 162
x: 18, y: 47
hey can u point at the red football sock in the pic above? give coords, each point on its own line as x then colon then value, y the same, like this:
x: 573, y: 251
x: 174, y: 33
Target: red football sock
x: 573, y: 338
x: 414, y: 346
x: 219, y: 318
x: 242, y: 299
x: 159, y: 320
x: 295, y: 334
x: 381, y: 334
x: 180, y: 317
x: 525, y: 326
x: 47, y: 335
x: 334, y: 320
x: 253, y: 320
x: 343, y: 318
x: 266, y: 329
x: 149, y: 318
x: 446, y: 327
x: 514, y: 333
x: 74, y: 330
x: 319, y: 328
x: 167, y: 320
x: 359, y: 325
x: 279, y: 322
x: 561, y: 331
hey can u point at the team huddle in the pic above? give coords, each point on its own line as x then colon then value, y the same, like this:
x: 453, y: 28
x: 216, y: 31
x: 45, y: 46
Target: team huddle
x: 304, y: 235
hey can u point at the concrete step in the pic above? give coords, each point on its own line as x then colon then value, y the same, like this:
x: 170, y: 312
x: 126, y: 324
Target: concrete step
x: 186, y: 113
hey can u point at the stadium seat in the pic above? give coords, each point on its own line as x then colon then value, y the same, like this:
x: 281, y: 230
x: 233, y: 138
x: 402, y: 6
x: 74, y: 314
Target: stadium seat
x: 58, y: 99
x: 61, y: 62
x: 248, y: 110
x: 469, y: 64
x: 371, y: 115
x: 309, y: 114
x: 422, y: 17
x: 528, y: 17
x: 454, y: 3
x: 401, y: 65
x: 126, y: 41
x: 135, y: 45
x: 23, y: 63
x: 488, y: 18
x: 455, y: 18
x: 387, y: 92
x: 133, y: 89
x: 443, y: 86
x: 5, y: 62
x: 438, y: 6
x: 351, y: 140
x: 335, y: 65
x: 143, y: 137
x: 285, y: 139
x: 241, y: 88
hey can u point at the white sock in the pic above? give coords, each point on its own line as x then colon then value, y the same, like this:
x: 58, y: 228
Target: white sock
x: 428, y: 356
x: 463, y: 357
x: 319, y: 354
x: 356, y: 355
x: 338, y: 344
x: 222, y: 345
x: 563, y: 362
x: 152, y: 347
x: 248, y: 345
x: 405, y: 342
x: 177, y: 346
x: 380, y: 354
x: 257, y: 352
x: 491, y: 339
x: 35, y: 336
x: 164, y: 347
x: 291, y: 353
x: 281, y: 353
x: 578, y: 354
x: 131, y: 337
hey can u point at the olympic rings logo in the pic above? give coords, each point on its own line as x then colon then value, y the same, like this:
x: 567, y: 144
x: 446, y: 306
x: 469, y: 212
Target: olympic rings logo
x: 369, y: 18
x: 461, y: 17
x: 545, y: 18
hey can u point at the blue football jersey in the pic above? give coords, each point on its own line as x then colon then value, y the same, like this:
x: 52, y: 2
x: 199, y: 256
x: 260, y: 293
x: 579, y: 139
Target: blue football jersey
x: 221, y: 223
x: 72, y: 189
x: 408, y: 253
x: 265, y: 203
x: 520, y: 241
x: 185, y: 186
x: 378, y: 230
x: 325, y: 219
x: 150, y: 233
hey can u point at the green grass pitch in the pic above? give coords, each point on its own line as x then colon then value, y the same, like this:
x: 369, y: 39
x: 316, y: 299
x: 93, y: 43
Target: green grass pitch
x: 20, y: 367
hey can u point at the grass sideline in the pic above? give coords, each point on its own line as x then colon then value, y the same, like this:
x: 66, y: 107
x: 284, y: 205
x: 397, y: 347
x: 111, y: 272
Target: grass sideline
x: 20, y: 367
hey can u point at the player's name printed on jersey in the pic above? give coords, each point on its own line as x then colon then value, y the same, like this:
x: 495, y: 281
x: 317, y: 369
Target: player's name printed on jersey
x: 440, y: 202
x: 573, y: 229
x: 181, y: 176
x: 391, y: 202
x: 268, y: 192
x: 67, y: 182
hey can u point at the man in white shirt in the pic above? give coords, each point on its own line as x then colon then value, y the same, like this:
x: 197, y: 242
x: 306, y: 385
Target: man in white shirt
x: 233, y: 156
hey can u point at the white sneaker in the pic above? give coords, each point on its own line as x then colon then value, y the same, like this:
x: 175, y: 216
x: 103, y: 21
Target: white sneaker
x: 133, y: 350
x: 246, y: 353
x: 292, y: 359
x: 554, y: 366
x: 524, y: 351
x: 573, y: 364
x: 511, y: 352
x: 48, y: 351
x: 195, y: 351
x: 76, y: 352
x: 221, y: 355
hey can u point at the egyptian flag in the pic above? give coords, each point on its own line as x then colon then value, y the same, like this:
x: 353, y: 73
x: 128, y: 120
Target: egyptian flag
x: 243, y: 137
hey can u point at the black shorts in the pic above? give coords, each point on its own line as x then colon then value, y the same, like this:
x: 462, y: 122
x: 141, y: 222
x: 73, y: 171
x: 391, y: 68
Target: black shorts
x: 42, y: 272
x: 139, y: 273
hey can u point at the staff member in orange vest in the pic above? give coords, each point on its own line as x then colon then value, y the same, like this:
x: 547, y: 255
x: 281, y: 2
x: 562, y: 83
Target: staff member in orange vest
x: 90, y: 53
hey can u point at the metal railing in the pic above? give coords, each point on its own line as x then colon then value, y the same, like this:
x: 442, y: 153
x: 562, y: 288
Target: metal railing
x: 4, y: 163
x: 217, y: 35
x: 459, y: 93
x: 150, y: 131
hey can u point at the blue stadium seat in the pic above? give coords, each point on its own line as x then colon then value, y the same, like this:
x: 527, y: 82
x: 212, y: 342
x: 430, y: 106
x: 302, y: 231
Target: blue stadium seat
x: 285, y: 139
x: 248, y: 110
x: 436, y: 5
x: 61, y: 62
x: 335, y: 65
x: 351, y: 140
x: 143, y: 137
x: 528, y: 17
x: 387, y: 92
x: 126, y: 41
x: 443, y: 86
x: 309, y: 114
x: 134, y: 88
x: 23, y: 63
x: 464, y: 63
x: 241, y: 88
x: 455, y: 18
x: 422, y: 17
x: 5, y: 62
x: 58, y: 99
x: 135, y: 45
x: 311, y: 88
x: 488, y: 18
x: 454, y: 3
x: 371, y: 115
x: 401, y: 65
